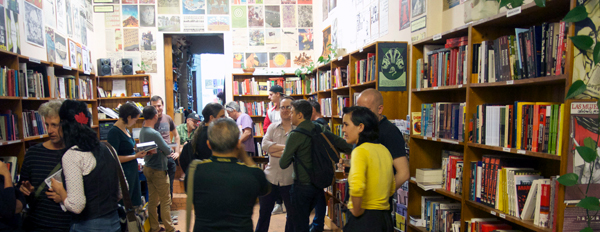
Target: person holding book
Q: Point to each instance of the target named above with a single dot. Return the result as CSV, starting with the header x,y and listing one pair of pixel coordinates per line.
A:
x,y
197,148
155,170
224,189
185,130
11,201
371,179
245,124
120,138
281,179
90,173
298,147
42,160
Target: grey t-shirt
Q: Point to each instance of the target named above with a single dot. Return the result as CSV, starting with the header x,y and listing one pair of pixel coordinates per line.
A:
x,y
158,160
164,125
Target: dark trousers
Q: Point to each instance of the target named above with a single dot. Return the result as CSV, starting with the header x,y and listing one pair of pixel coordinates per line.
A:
x,y
371,220
304,198
266,207
318,222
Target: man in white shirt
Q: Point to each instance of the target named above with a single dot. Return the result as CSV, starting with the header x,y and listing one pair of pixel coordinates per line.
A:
x,y
273,116
281,179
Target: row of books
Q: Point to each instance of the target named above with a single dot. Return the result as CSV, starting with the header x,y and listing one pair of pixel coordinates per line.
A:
x,y
259,151
8,126
34,123
292,85
365,69
440,214
400,207
337,212
325,106
311,85
86,87
337,130
253,87
444,120
258,129
255,108
452,169
67,87
340,77
535,52
532,126
487,225
342,101
445,65
324,80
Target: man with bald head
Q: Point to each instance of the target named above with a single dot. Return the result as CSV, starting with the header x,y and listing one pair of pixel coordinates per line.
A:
x,y
389,135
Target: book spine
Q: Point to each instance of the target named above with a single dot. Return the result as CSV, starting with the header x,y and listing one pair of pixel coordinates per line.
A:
x,y
560,48
543,52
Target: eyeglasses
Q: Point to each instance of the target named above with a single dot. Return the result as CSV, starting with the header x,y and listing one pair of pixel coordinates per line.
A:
x,y
286,107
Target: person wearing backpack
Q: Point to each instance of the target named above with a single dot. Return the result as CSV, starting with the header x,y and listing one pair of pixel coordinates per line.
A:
x,y
371,178
314,153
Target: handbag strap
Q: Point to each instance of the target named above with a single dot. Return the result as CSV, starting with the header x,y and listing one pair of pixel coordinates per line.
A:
x,y
124,189
43,185
190,193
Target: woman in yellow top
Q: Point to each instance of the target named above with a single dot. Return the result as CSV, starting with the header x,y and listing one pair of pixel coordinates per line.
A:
x,y
371,178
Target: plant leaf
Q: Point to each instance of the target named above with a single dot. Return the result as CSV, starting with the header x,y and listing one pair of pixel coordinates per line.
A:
x,y
582,42
587,154
540,3
568,179
578,87
587,229
576,14
596,53
321,59
589,142
589,203
503,3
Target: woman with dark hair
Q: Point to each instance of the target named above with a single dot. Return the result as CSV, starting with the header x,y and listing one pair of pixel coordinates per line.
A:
x,y
90,173
120,138
371,178
197,147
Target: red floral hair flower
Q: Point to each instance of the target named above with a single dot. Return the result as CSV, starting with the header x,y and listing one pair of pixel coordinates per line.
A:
x,y
81,118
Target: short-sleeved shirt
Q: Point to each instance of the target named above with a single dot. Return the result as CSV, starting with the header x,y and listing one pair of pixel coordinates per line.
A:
x,y
164,125
391,137
183,133
232,188
244,121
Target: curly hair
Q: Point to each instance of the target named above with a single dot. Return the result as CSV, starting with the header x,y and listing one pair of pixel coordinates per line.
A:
x,y
76,133
364,115
50,108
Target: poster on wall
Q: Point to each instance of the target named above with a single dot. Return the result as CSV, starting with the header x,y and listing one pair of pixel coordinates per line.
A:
x,y
193,23
2,29
239,39
12,32
305,18
147,37
374,21
362,27
392,66
305,39
302,59
168,7
326,41
118,39
131,40
218,7
34,31
115,61
88,14
238,2
325,9
218,23
418,8
60,45
306,2
129,2
83,29
288,13
147,16
147,1
77,24
238,59
450,3
85,60
69,14
256,16
169,23
583,61
256,37
280,60
288,1
384,17
404,14
418,24
72,54
289,40
61,18
194,6
37,3
239,17
110,19
257,60
50,47
130,16
149,58
272,17
50,13
13,5
273,39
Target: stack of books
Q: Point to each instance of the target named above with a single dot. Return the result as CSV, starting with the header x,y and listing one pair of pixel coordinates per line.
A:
x,y
108,112
147,146
429,176
444,120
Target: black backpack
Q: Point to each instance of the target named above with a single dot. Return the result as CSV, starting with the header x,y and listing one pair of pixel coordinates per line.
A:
x,y
324,158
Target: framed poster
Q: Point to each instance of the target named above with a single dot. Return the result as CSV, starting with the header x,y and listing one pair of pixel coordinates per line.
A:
x,y
326,41
391,66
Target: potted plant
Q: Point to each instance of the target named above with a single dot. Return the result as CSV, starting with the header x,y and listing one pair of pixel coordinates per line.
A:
x,y
143,67
248,69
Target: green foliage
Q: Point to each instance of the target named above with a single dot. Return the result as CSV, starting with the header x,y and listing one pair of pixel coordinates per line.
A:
x,y
589,203
596,54
578,87
589,142
587,229
510,3
540,3
144,67
587,154
583,42
576,14
302,71
568,179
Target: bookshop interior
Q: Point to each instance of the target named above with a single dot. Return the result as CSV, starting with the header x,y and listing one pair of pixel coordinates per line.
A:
x,y
299,115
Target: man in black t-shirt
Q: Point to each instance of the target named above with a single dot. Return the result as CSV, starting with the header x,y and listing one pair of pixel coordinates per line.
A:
x,y
225,190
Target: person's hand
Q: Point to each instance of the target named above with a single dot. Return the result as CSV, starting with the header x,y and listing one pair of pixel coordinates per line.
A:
x,y
357,212
58,188
26,188
141,154
174,155
54,196
4,169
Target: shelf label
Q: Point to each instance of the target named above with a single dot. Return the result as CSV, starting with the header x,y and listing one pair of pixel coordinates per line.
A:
x,y
340,58
493,212
459,86
34,60
513,12
521,152
510,82
65,67
41,136
360,50
86,73
506,149
449,141
437,37
503,215
436,87
14,141
25,97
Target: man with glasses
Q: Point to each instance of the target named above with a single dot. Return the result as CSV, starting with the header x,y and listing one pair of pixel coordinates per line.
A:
x,y
245,124
186,130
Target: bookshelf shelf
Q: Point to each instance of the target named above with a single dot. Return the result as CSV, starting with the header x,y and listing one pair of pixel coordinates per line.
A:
x,y
251,95
108,120
448,141
417,228
39,99
560,79
257,116
11,98
4,143
95,126
456,32
123,98
33,138
442,192
343,88
296,95
502,215
552,9
516,151
365,84
123,76
441,88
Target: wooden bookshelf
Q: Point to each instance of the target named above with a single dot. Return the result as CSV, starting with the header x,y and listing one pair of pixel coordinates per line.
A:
x,y
540,89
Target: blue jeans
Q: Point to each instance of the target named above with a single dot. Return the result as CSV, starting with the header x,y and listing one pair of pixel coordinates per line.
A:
x,y
304,198
106,223
318,222
266,207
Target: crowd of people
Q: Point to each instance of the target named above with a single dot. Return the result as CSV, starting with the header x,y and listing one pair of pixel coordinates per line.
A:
x,y
221,178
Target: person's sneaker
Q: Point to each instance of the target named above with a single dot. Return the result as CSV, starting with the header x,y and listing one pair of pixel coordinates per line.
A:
x,y
278,209
175,221
174,217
